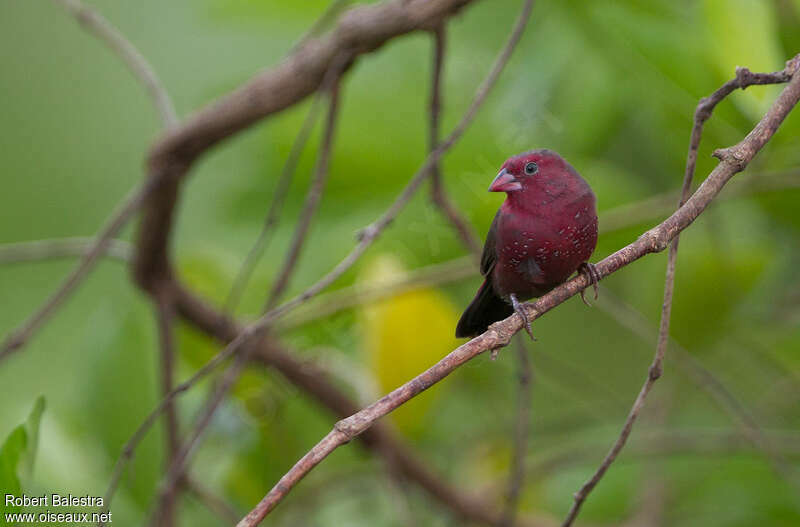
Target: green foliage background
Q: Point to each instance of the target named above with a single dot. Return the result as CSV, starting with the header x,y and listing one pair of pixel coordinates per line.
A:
x,y
610,85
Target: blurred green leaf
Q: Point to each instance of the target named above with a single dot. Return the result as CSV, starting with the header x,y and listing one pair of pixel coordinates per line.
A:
x,y
17,455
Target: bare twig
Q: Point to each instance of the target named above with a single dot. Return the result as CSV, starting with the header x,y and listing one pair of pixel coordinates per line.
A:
x,y
319,25
177,467
738,157
213,502
438,193
97,25
314,195
275,207
664,442
733,160
17,338
165,315
352,296
516,471
38,250
657,206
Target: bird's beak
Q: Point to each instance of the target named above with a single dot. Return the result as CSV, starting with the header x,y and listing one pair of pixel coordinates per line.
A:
x,y
505,182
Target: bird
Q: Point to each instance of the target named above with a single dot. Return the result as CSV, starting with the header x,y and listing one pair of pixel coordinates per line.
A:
x,y
545,230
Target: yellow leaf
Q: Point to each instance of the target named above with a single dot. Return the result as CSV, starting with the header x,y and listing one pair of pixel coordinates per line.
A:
x,y
404,335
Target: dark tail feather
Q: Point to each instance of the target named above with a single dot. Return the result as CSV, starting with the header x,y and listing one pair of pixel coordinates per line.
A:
x,y
486,308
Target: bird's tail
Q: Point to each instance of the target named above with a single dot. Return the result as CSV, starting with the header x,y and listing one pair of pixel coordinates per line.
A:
x,y
486,308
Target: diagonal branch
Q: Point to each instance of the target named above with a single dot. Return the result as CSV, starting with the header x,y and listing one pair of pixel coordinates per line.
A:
x,y
732,160
165,315
315,382
737,157
96,24
314,195
244,273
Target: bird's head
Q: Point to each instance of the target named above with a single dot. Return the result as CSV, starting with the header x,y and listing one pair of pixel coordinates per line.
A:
x,y
538,174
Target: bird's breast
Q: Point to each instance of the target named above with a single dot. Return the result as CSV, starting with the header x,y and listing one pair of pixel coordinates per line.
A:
x,y
536,252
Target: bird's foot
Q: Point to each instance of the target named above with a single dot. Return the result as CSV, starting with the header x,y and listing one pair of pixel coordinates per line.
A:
x,y
520,310
592,276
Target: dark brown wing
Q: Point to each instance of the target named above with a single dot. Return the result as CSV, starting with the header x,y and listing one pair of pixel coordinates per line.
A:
x,y
489,256
486,307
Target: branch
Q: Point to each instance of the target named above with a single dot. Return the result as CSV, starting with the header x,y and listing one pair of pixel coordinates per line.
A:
x,y
736,158
733,160
516,477
94,23
314,195
38,250
438,193
275,207
17,338
214,503
165,314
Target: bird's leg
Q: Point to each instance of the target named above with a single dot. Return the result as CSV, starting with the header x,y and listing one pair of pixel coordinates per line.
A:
x,y
592,276
521,312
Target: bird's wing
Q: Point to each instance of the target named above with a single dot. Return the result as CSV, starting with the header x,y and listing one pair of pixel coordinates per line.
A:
x,y
489,256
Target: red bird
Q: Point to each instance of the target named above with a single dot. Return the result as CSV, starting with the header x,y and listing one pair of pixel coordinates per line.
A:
x,y
545,230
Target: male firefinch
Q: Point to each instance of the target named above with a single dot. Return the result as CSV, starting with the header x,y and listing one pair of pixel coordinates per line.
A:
x,y
545,230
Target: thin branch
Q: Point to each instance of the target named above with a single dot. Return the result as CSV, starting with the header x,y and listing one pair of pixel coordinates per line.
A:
x,y
314,195
664,442
165,314
324,20
353,296
732,160
213,502
738,157
516,479
40,250
94,23
438,192
276,206
657,206
17,338
176,471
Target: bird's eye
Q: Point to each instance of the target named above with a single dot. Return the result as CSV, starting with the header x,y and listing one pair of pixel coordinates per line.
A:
x,y
531,168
